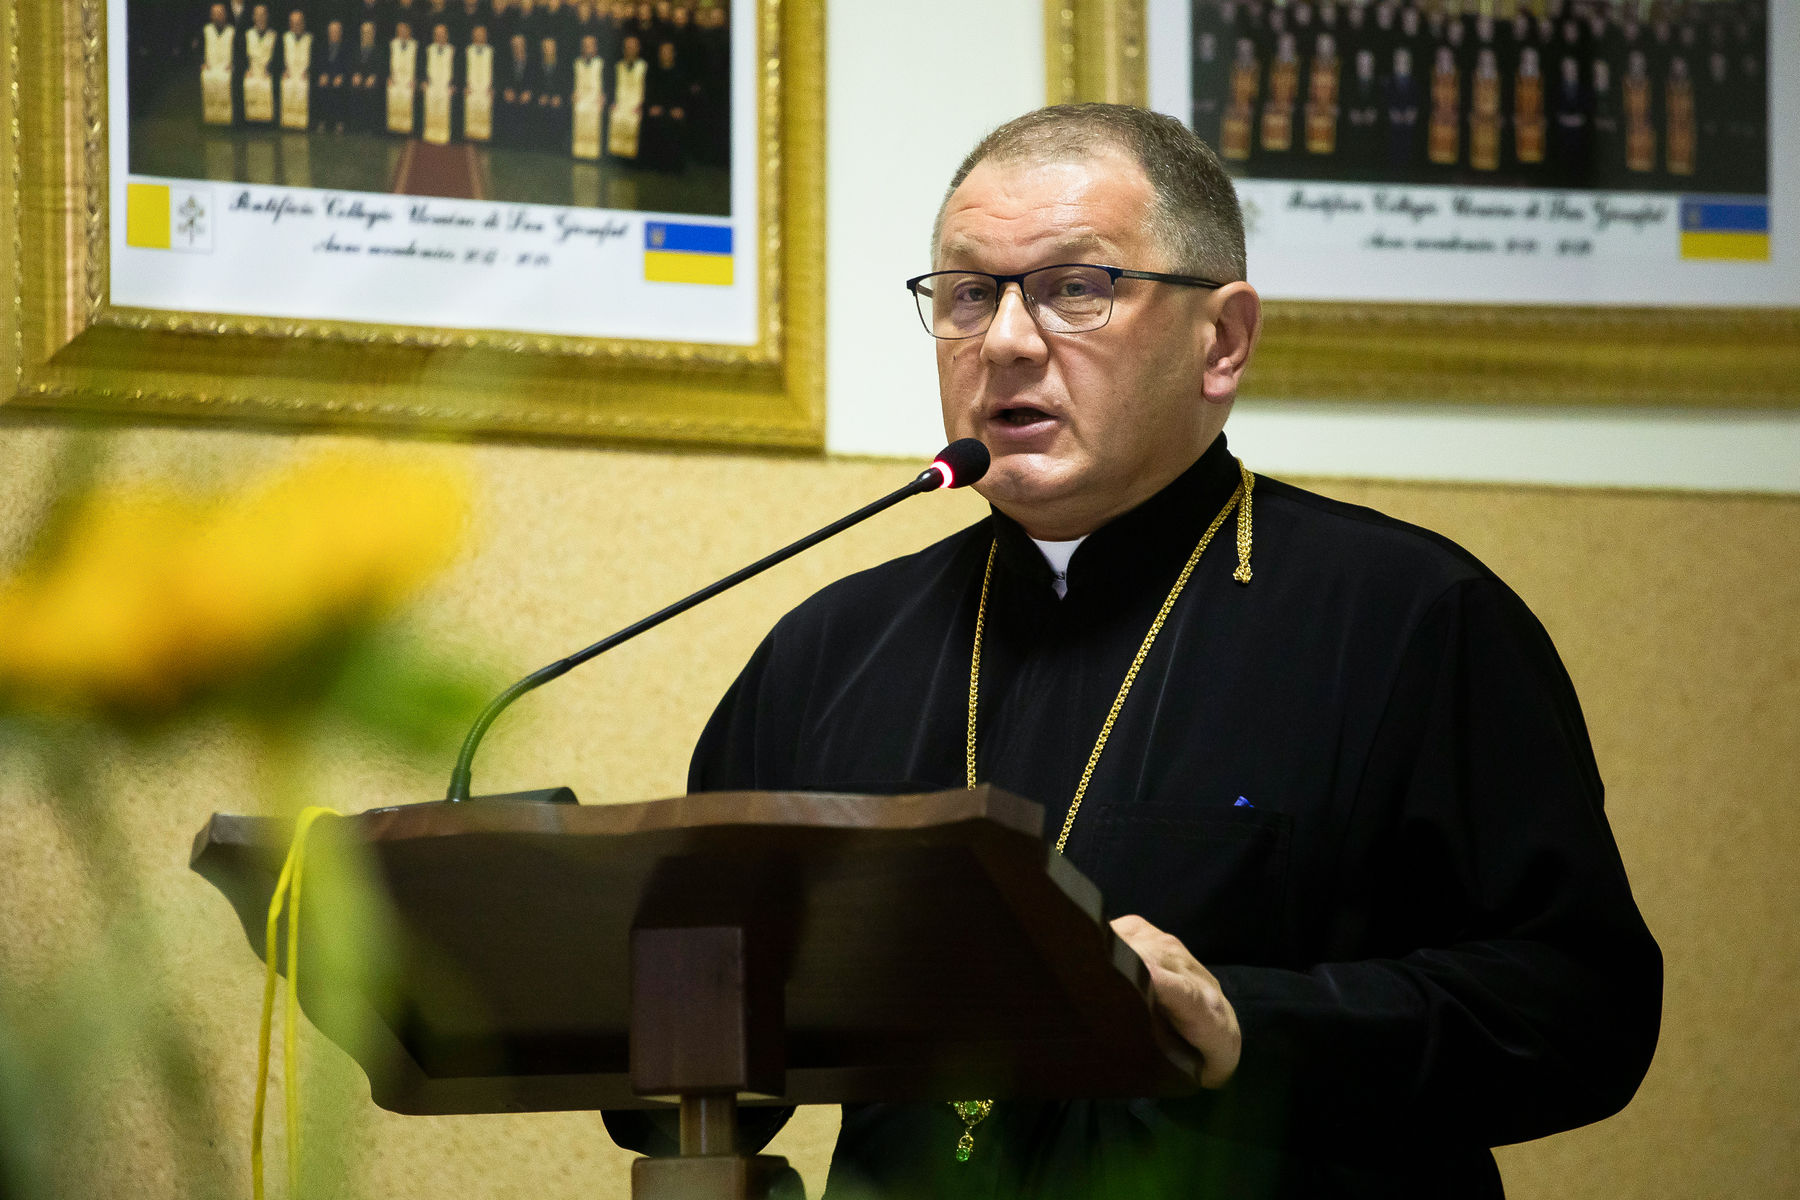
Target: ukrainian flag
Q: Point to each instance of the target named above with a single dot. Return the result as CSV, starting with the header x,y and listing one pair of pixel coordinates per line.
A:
x,y
1725,228
677,253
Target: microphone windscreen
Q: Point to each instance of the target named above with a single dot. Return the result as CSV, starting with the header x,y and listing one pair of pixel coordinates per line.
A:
x,y
963,461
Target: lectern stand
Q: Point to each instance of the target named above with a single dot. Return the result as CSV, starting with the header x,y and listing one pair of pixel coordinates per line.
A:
x,y
722,949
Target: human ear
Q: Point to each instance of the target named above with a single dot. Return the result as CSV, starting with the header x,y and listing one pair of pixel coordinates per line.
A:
x,y
1236,323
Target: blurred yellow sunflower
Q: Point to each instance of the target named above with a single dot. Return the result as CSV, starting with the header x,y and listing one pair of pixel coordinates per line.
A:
x,y
153,593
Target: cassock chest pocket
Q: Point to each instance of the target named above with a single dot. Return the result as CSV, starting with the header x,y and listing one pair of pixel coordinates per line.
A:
x,y
1217,878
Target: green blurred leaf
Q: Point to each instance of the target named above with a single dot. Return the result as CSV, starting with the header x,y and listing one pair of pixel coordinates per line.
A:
x,y
413,701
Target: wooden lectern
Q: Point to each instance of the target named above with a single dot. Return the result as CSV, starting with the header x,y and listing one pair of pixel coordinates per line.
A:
x,y
718,949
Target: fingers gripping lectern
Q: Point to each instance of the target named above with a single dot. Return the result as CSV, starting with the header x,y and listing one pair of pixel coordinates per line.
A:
x,y
720,949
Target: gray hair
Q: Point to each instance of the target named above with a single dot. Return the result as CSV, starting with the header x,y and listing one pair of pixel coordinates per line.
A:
x,y
1194,212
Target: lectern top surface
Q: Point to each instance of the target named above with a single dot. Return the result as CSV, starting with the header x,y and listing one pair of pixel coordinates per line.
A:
x,y
930,946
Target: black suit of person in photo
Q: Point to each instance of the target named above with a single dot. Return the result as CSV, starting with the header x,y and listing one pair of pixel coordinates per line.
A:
x,y
552,82
666,96
514,95
1359,145
331,80
366,104
712,62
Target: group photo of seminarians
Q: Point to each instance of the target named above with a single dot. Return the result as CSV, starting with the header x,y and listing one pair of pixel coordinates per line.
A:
x,y
1628,95
640,89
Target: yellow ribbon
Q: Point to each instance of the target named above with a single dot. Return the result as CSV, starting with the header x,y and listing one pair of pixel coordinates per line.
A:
x,y
287,889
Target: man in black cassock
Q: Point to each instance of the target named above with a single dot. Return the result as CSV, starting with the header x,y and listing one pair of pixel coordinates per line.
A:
x,y
1359,143
711,116
1210,71
551,82
516,105
366,105
1571,119
664,138
330,75
1403,100
1348,814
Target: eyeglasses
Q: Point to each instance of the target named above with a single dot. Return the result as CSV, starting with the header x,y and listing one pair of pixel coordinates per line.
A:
x,y
1063,298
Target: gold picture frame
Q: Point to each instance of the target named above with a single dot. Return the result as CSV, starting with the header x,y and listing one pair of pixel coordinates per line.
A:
x,y
1536,355
67,350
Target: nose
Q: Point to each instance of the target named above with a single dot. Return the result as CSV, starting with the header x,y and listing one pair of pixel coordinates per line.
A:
x,y
1013,335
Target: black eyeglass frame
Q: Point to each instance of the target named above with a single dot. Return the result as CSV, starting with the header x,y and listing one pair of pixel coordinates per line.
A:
x,y
1000,282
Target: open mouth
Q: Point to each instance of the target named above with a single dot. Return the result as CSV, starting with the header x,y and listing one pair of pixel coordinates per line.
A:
x,y
1020,414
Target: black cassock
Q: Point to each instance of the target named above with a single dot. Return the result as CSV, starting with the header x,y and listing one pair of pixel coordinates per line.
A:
x,y
664,137
711,120
331,79
1359,788
549,120
514,119
368,103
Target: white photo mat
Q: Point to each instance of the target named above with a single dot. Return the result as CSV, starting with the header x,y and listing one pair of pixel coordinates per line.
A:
x,y
1317,240
314,254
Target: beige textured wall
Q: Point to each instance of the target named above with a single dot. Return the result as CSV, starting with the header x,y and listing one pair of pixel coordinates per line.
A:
x,y
1678,616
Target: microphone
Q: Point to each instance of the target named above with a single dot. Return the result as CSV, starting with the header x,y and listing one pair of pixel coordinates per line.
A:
x,y
959,464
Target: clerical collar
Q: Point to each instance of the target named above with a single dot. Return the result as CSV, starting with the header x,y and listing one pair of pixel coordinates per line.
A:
x,y
1058,554
1148,544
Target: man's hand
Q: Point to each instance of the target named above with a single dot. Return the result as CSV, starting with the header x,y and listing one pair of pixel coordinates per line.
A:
x,y
1189,996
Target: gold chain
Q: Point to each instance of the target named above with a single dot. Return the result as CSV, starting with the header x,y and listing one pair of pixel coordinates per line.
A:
x,y
987,577
1242,574
973,1112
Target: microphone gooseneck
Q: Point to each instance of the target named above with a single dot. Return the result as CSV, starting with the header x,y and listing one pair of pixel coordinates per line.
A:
x,y
959,464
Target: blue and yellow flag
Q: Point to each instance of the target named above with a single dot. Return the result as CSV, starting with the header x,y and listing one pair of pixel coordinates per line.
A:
x,y
1724,227
678,253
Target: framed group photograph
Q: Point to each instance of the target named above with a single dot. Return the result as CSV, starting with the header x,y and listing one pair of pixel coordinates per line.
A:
x,y
586,218
1527,200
